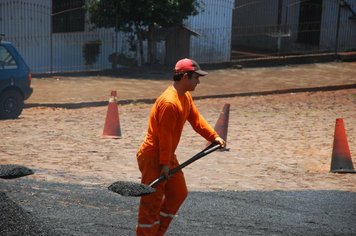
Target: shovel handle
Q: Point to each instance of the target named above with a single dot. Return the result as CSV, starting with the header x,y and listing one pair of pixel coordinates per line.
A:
x,y
211,148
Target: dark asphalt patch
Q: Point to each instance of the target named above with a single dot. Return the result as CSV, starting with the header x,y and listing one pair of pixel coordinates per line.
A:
x,y
12,171
15,221
127,188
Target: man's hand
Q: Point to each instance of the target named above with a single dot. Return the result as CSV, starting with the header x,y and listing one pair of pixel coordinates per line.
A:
x,y
165,170
220,141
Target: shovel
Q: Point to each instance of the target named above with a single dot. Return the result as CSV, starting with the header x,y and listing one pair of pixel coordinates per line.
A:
x,y
132,189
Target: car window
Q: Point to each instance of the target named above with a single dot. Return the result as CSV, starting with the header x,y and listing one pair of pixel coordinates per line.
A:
x,y
7,61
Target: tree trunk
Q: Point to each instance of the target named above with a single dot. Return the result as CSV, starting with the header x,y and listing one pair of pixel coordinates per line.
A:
x,y
150,59
140,41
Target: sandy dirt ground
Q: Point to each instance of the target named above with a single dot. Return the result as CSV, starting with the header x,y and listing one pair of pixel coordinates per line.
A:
x,y
276,142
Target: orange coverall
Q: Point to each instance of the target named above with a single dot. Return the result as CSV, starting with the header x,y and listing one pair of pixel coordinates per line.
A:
x,y
165,125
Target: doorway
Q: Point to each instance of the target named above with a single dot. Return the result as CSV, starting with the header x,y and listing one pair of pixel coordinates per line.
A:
x,y
310,22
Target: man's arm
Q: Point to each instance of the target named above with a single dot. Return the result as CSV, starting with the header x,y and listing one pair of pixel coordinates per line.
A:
x,y
201,126
167,119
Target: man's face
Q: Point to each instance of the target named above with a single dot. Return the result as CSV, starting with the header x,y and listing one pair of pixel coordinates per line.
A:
x,y
192,82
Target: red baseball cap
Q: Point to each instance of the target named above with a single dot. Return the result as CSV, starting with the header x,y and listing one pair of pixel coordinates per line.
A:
x,y
188,65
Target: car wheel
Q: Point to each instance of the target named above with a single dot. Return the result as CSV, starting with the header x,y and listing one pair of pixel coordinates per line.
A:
x,y
11,104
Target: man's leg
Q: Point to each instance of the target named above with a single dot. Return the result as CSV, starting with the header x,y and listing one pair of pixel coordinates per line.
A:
x,y
175,194
148,214
150,205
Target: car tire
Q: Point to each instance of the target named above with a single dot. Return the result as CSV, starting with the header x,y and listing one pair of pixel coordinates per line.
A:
x,y
11,104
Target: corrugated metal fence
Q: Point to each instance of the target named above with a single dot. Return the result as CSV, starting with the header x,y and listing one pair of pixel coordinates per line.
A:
x,y
230,31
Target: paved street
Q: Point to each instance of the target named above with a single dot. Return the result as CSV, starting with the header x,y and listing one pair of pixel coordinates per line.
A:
x,y
275,179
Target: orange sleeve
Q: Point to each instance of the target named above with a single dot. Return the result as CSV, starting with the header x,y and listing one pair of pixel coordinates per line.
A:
x,y
200,125
167,119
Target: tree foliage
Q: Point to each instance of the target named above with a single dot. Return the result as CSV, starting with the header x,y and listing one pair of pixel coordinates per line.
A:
x,y
164,13
91,51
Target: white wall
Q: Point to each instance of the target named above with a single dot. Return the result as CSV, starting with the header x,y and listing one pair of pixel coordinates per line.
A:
x,y
27,26
214,27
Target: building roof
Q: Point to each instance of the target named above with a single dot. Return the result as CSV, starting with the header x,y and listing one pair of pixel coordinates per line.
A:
x,y
160,34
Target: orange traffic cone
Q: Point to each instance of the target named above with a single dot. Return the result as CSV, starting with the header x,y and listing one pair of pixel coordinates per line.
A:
x,y
222,124
341,158
112,122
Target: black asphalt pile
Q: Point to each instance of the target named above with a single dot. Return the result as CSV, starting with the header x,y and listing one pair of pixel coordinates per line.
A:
x,y
15,221
131,189
12,171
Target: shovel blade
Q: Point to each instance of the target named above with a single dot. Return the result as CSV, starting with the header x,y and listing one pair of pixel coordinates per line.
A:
x,y
131,189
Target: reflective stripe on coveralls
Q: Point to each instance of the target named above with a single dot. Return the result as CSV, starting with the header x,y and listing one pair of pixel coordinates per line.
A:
x,y
166,215
157,222
148,226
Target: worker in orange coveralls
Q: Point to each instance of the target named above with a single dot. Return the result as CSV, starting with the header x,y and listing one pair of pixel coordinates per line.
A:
x,y
156,154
